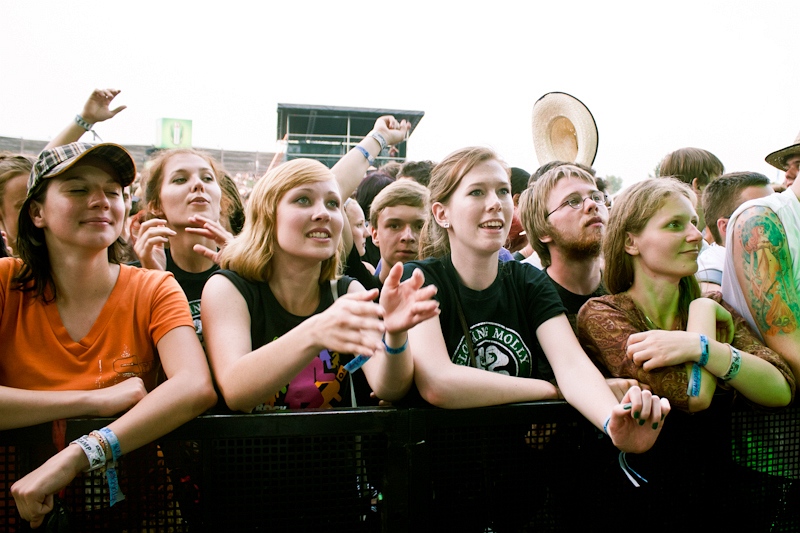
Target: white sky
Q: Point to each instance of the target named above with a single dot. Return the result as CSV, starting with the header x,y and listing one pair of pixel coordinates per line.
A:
x,y
657,77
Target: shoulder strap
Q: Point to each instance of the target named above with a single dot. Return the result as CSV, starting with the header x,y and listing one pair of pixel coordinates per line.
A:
x,y
461,318
340,286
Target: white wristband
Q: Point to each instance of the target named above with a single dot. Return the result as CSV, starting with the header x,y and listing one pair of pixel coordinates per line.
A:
x,y
93,450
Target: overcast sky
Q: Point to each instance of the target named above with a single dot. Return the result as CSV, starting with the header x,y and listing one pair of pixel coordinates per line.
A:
x,y
657,77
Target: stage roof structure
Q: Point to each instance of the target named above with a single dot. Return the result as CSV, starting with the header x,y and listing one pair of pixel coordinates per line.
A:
x,y
326,133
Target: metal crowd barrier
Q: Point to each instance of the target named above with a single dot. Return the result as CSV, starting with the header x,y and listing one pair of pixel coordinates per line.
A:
x,y
523,467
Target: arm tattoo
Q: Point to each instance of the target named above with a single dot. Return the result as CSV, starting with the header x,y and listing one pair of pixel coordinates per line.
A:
x,y
769,286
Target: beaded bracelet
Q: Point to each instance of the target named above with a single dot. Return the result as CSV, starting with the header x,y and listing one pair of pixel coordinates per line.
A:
x,y
735,366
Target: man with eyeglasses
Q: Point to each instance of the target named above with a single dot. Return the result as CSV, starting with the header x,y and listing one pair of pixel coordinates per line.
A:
x,y
565,217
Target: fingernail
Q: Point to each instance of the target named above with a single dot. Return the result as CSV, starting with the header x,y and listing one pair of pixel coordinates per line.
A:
x,y
627,406
641,422
655,425
662,418
636,414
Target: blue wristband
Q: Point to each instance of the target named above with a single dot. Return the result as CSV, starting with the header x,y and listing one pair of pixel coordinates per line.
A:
x,y
395,351
703,351
605,425
114,493
693,389
370,159
113,442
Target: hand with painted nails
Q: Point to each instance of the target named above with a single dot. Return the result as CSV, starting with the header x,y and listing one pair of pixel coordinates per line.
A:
x,y
636,422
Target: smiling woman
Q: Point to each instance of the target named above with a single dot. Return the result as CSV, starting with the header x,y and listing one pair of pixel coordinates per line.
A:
x,y
110,327
655,328
500,320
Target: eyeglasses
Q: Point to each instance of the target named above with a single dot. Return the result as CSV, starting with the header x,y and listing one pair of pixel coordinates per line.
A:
x,y
576,202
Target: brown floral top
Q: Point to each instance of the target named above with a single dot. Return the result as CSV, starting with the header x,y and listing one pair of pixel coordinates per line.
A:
x,y
605,323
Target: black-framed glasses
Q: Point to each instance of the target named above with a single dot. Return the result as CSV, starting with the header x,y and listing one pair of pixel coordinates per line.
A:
x,y
576,202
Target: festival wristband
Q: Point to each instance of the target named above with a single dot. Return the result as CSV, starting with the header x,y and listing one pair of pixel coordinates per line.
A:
x,y
114,493
93,450
370,159
703,351
356,363
735,366
83,124
113,442
693,390
378,137
394,351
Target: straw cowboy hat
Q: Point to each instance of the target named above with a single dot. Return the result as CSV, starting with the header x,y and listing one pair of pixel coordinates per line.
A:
x,y
563,130
778,159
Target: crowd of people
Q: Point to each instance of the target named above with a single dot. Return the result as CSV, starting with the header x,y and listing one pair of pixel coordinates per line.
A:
x,y
455,284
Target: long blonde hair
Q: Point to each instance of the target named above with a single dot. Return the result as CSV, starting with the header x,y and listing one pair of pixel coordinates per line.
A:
x,y
250,253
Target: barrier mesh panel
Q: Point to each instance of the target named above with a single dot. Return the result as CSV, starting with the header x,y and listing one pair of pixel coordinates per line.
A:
x,y
329,483
9,519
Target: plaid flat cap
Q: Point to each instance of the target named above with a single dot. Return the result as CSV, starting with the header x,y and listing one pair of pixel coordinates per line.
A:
x,y
53,162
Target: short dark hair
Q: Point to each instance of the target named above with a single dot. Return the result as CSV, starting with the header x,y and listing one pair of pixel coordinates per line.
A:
x,y
721,197
519,180
419,171
370,186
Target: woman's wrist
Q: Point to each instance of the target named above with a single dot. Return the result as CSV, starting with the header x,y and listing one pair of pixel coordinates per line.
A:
x,y
395,343
75,459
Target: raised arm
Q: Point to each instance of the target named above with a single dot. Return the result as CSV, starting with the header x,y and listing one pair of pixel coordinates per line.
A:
x,y
350,169
764,267
96,109
248,377
632,428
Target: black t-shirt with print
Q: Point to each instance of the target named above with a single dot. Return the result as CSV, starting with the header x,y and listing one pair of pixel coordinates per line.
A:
x,y
192,284
324,383
573,302
503,318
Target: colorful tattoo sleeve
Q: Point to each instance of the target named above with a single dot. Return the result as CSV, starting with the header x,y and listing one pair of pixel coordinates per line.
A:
x,y
767,267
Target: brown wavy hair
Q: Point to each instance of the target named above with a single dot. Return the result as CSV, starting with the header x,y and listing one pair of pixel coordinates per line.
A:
x,y
633,209
445,178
